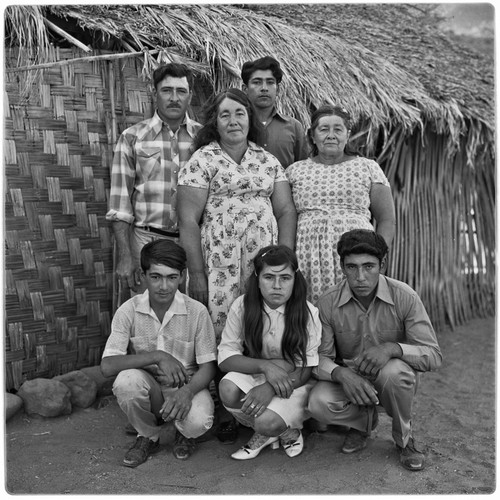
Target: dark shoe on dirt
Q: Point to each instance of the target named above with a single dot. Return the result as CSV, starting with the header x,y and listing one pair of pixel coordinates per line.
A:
x,y
183,446
354,441
139,453
227,432
410,457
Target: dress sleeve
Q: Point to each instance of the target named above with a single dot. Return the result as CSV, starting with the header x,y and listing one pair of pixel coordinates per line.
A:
x,y
377,174
231,343
196,171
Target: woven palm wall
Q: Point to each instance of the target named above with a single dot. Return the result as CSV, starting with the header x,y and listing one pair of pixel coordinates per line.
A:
x,y
60,128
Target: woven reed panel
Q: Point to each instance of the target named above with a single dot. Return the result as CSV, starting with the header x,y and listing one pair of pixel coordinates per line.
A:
x,y
58,245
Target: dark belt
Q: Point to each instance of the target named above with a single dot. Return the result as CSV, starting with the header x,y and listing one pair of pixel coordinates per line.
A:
x,y
170,234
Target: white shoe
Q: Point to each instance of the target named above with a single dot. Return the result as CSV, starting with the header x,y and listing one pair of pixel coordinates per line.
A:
x,y
256,444
293,446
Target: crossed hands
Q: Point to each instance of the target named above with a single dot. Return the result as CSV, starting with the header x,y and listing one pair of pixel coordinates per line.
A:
x,y
177,404
358,389
278,383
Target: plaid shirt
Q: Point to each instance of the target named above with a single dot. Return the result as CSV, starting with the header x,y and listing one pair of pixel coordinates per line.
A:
x,y
144,173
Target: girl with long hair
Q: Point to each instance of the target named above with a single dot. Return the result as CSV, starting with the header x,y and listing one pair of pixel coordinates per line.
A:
x,y
269,346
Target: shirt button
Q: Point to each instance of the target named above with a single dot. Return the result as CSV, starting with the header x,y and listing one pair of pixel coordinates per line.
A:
x,y
272,332
175,171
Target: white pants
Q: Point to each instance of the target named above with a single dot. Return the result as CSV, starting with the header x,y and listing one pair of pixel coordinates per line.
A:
x,y
140,397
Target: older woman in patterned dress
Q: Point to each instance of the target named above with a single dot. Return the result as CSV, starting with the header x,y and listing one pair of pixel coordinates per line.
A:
x,y
233,199
335,191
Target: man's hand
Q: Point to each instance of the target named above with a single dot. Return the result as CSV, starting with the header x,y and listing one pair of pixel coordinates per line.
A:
x,y
177,404
257,399
198,287
173,373
126,272
357,389
279,379
371,361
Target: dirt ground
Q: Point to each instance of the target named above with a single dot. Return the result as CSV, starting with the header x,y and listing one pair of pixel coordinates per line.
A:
x,y
454,420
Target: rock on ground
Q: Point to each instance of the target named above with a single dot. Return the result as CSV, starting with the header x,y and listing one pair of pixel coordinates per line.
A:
x,y
104,384
83,388
13,404
45,397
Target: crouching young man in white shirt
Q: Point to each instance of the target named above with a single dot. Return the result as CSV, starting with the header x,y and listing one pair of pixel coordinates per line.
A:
x,y
162,350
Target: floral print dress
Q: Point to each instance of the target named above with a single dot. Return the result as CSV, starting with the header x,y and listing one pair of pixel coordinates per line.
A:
x,y
330,200
237,221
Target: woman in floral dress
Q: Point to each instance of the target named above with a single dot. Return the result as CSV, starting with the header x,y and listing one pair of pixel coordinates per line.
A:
x,y
233,199
335,191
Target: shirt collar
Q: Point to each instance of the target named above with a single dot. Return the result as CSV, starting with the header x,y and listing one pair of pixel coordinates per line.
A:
x,y
190,125
216,147
178,305
275,114
383,292
269,310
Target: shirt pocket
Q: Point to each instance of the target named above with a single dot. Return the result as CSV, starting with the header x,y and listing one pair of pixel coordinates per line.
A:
x,y
148,161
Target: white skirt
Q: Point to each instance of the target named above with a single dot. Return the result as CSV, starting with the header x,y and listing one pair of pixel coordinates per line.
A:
x,y
292,410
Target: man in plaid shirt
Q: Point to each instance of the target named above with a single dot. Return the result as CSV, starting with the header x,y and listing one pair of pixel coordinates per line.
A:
x,y
144,172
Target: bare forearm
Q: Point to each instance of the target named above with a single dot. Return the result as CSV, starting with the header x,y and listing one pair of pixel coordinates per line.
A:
x,y
287,225
112,365
202,378
243,364
190,240
121,231
387,229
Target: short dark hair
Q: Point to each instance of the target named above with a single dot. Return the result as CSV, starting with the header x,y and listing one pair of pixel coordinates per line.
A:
x,y
263,63
164,252
209,132
176,70
360,241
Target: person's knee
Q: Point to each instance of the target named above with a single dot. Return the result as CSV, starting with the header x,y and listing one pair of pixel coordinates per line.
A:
x,y
200,417
396,374
329,404
129,383
230,394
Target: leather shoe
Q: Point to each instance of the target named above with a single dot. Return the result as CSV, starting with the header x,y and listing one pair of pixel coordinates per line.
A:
x,y
256,444
410,457
356,440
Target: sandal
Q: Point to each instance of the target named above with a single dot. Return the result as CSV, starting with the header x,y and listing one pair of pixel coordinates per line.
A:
x,y
183,446
227,432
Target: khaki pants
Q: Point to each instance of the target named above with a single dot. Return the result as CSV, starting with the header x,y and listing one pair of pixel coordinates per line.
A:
x,y
396,385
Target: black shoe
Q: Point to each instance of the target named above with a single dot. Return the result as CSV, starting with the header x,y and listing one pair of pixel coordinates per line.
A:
x,y
227,432
410,457
139,453
183,446
356,440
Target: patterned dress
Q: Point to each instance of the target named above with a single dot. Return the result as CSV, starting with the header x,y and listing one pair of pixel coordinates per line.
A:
x,y
237,221
330,200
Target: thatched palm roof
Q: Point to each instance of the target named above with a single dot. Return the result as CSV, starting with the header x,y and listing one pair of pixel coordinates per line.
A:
x,y
388,64
424,106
